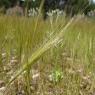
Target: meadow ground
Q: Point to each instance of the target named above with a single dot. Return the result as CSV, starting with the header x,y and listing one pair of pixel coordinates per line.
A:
x,y
52,57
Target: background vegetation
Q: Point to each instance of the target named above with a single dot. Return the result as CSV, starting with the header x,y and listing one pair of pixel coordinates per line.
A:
x,y
71,6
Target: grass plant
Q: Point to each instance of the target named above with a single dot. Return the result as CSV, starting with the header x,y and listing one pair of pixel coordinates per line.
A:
x,y
67,46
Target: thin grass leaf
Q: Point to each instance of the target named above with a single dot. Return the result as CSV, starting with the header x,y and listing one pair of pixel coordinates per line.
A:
x,y
51,43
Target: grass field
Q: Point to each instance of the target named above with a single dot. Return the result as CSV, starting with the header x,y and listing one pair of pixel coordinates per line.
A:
x,y
52,57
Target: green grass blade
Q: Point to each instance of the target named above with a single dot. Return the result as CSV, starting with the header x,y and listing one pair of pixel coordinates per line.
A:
x,y
41,51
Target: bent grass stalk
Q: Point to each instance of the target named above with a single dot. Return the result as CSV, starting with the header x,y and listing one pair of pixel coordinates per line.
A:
x,y
39,52
35,28
28,68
